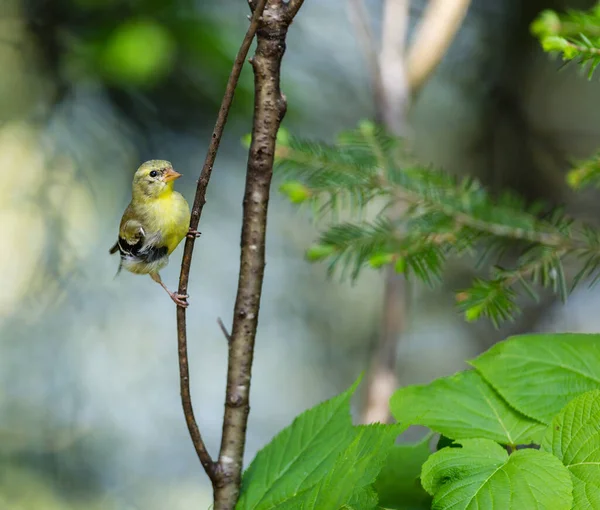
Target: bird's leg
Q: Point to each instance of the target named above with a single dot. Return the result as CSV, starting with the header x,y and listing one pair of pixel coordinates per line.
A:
x,y
193,234
178,299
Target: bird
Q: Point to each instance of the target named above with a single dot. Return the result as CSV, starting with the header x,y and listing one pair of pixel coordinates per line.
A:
x,y
153,224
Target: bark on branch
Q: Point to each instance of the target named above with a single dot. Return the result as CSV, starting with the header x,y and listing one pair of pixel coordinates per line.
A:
x,y
199,200
269,109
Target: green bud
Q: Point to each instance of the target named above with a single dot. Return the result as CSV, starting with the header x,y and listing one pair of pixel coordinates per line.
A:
x,y
546,24
381,259
473,313
570,52
319,252
555,43
283,136
366,127
400,266
246,140
295,191
575,178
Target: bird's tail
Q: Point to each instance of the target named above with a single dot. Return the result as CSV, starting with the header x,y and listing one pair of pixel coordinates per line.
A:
x,y
112,251
119,269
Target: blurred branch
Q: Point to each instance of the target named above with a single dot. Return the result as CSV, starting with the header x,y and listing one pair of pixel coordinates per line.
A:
x,y
391,110
199,200
433,37
396,75
359,17
392,67
269,109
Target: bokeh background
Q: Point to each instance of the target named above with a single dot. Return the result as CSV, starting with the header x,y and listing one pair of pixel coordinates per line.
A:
x,y
90,416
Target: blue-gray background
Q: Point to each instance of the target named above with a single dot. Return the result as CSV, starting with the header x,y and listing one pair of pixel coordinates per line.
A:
x,y
90,416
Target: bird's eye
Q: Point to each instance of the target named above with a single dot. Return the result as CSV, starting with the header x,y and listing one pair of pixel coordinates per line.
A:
x,y
154,173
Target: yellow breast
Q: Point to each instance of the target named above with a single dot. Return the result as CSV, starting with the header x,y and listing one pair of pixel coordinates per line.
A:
x,y
169,215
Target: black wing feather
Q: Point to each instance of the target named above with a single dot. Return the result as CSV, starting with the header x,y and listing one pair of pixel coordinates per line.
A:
x,y
147,253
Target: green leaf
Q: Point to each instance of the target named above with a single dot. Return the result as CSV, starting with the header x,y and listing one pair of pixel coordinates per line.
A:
x,y
539,374
365,499
398,484
464,406
300,455
355,469
481,475
574,437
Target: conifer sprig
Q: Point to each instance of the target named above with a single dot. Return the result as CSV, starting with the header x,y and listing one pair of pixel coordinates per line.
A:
x,y
575,35
443,217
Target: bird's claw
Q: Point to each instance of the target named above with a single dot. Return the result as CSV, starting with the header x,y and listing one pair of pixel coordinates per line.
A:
x,y
179,299
193,234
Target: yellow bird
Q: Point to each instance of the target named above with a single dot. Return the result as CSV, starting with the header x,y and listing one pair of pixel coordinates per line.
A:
x,y
154,223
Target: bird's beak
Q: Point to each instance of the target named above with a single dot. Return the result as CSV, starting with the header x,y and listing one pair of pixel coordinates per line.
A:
x,y
171,175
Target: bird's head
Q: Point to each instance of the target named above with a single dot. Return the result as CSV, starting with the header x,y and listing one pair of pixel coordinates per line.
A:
x,y
154,178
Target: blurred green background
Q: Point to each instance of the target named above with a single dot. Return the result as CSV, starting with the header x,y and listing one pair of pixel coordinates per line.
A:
x,y
90,414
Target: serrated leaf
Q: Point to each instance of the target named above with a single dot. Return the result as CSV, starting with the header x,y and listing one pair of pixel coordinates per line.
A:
x,y
365,499
481,475
354,470
300,455
398,484
539,374
464,406
574,437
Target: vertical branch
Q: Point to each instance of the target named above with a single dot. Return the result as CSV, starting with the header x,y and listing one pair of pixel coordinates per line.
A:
x,y
435,32
269,109
396,93
392,110
199,201
359,17
402,73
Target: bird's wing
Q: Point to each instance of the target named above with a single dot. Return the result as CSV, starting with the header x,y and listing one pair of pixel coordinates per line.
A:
x,y
134,242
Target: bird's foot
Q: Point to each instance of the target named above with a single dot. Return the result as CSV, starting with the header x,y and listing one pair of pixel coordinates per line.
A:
x,y
179,299
193,234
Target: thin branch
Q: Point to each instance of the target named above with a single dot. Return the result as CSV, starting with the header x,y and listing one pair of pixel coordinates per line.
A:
x,y
584,49
359,17
199,201
293,6
226,333
269,109
433,37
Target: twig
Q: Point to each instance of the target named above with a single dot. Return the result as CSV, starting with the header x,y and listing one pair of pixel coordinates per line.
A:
x,y
433,37
269,109
226,333
199,201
